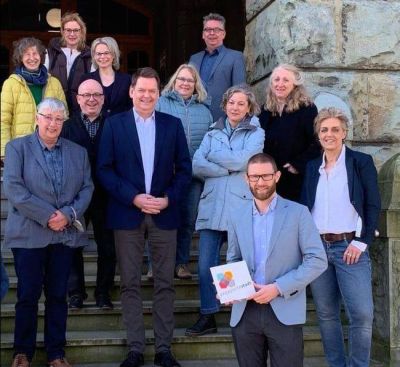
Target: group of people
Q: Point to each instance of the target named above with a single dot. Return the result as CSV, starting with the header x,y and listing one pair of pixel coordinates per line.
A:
x,y
87,143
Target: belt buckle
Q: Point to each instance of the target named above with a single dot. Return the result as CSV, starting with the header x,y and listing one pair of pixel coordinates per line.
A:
x,y
324,238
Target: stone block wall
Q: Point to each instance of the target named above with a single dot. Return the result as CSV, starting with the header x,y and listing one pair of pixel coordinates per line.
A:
x,y
348,48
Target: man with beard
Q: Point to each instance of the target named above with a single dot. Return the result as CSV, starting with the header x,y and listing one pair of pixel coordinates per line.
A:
x,y
283,250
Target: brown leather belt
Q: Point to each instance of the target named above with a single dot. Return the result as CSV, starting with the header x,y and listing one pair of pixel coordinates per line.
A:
x,y
336,237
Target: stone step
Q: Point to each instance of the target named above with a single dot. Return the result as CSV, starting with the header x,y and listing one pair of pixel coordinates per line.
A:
x,y
110,346
184,288
90,260
228,362
91,318
308,362
91,245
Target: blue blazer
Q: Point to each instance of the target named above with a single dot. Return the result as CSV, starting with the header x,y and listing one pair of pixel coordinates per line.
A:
x,y
228,70
363,189
120,100
32,199
120,169
295,255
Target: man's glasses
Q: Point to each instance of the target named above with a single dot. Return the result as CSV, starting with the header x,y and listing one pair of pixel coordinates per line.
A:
x,y
185,80
265,177
49,119
213,30
87,96
69,30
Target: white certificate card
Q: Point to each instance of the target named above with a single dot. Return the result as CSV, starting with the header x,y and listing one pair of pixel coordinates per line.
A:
x,y
232,281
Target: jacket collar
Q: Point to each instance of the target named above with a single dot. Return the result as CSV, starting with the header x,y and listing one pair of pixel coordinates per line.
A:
x,y
245,124
55,44
174,95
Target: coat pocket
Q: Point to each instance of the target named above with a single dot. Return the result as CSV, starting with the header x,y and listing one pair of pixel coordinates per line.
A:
x,y
206,204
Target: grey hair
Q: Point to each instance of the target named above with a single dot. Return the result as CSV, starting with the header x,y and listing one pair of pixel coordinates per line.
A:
x,y
52,104
254,108
214,16
22,45
198,86
331,113
112,45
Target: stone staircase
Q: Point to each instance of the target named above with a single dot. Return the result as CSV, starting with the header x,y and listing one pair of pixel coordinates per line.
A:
x,y
97,337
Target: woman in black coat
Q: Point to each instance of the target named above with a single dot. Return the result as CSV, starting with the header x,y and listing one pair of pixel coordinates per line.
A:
x,y
105,58
287,118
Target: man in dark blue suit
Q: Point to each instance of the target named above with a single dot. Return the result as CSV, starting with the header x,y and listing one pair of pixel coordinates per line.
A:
x,y
144,164
220,67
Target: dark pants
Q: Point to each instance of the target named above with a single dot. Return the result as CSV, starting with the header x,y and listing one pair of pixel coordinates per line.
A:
x,y
259,332
129,246
46,268
188,212
96,213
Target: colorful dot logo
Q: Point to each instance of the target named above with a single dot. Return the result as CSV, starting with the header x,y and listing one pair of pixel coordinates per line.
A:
x,y
226,279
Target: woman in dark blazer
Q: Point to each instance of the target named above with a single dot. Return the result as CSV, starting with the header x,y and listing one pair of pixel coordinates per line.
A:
x,y
47,183
287,118
341,190
105,58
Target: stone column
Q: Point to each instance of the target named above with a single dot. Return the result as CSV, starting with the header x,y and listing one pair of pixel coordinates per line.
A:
x,y
385,256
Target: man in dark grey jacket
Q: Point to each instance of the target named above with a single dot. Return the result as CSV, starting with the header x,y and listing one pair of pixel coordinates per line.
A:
x,y
219,67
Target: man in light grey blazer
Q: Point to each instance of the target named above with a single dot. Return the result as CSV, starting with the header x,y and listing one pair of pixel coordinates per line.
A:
x,y
48,185
283,250
220,68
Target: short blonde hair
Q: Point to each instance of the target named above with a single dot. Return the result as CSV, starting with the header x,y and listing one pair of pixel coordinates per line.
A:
x,y
74,17
254,108
298,96
328,113
198,86
112,45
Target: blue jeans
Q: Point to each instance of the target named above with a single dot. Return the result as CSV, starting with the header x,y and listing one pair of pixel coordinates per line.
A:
x,y
209,250
188,213
38,268
352,285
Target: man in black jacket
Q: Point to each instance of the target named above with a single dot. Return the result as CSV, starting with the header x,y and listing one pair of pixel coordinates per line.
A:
x,y
85,129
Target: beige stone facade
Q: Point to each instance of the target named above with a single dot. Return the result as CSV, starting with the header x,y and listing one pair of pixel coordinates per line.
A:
x,y
347,48
349,51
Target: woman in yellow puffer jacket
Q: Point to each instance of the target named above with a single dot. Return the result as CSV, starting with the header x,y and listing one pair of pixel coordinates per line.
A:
x,y
24,90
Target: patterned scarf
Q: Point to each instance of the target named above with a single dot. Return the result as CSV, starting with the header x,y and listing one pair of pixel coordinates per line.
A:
x,y
38,77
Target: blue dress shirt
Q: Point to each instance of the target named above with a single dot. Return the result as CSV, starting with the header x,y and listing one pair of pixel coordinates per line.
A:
x,y
262,229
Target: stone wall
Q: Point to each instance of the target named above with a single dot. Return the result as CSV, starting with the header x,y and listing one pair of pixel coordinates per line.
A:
x,y
348,48
350,52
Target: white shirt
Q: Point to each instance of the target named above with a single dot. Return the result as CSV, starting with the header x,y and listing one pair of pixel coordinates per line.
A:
x,y
146,129
70,55
333,211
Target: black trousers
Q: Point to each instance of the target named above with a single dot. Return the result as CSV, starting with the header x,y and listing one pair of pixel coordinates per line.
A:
x,y
260,333
96,214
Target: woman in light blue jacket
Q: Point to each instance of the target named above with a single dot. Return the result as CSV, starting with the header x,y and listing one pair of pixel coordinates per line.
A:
x,y
221,162
185,97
